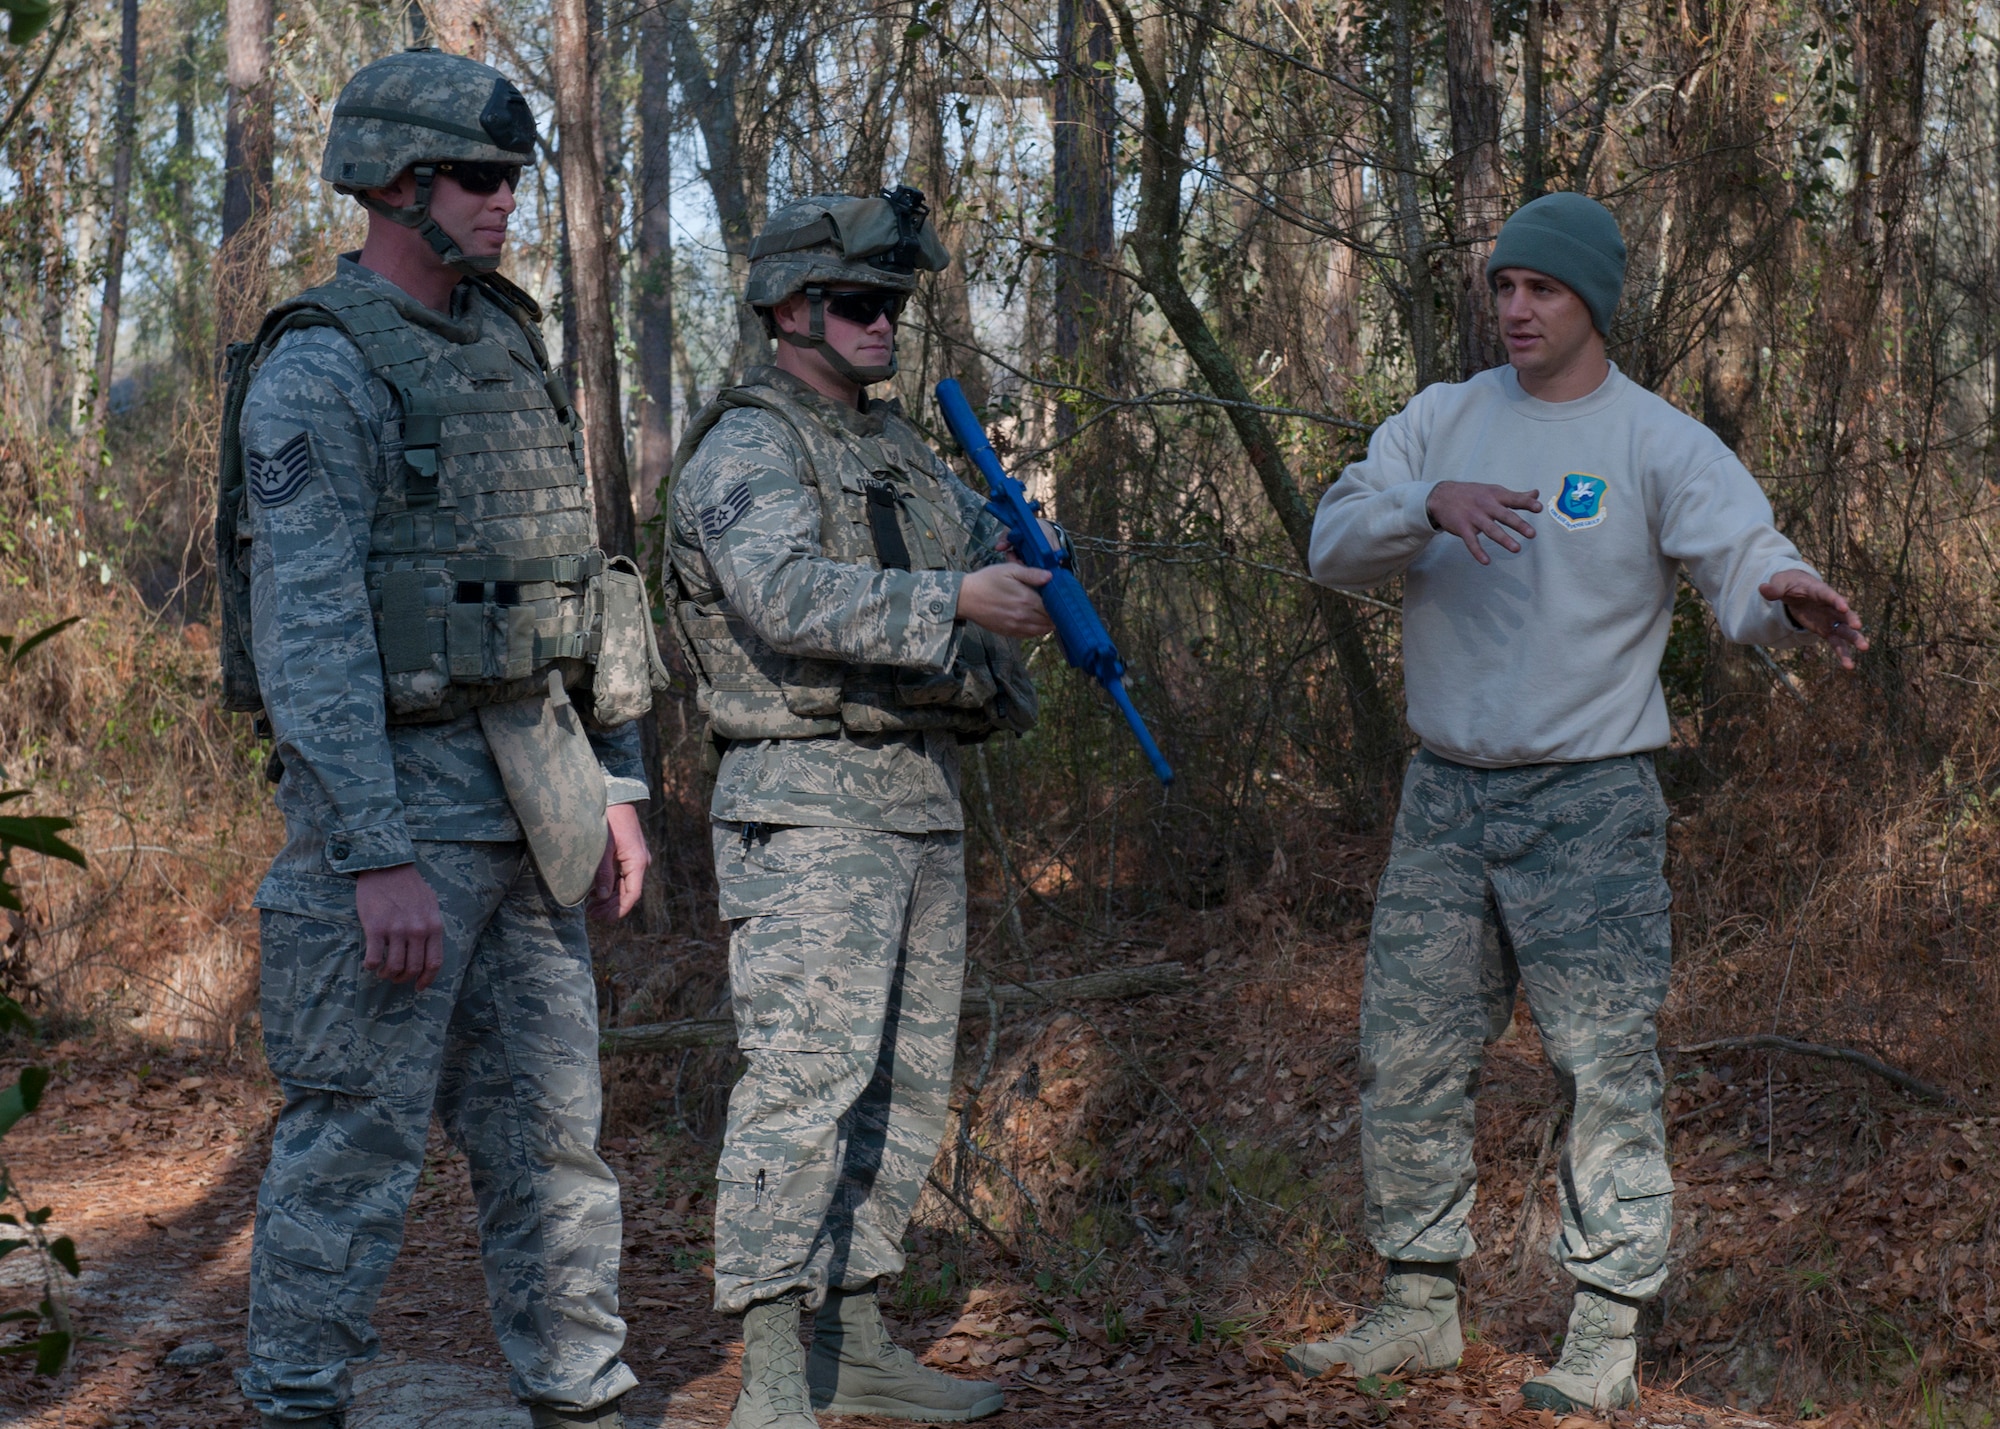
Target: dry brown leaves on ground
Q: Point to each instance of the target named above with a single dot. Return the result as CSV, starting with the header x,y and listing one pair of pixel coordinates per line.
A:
x,y
153,1169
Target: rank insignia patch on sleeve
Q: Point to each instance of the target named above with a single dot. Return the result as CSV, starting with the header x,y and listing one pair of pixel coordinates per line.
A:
x,y
726,512
277,478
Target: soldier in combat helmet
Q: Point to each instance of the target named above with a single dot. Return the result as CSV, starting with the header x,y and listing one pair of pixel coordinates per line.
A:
x,y
449,668
850,616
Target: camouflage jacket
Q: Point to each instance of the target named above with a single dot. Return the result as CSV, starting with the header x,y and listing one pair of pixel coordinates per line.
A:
x,y
370,787
744,523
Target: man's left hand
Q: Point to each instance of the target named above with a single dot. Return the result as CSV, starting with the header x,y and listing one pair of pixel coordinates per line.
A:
x,y
1821,609
1051,533
621,874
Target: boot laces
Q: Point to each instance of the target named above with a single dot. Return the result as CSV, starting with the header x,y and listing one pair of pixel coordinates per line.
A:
x,y
1589,1344
782,1376
1385,1322
891,1354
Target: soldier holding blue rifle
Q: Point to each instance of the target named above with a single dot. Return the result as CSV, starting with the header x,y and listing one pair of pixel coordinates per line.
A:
x,y
850,614
1530,843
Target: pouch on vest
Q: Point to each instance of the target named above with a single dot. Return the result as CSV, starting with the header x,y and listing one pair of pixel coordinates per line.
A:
x,y
555,784
628,664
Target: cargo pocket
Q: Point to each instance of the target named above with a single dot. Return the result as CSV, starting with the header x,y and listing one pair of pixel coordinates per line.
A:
x,y
310,994
1642,1180
789,987
1633,897
771,983
1634,926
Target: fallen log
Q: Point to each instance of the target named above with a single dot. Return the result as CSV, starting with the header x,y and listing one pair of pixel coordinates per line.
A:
x,y
1769,1042
1105,985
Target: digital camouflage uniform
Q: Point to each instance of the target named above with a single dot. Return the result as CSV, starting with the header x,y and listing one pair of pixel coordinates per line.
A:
x,y
375,685
839,853
1546,876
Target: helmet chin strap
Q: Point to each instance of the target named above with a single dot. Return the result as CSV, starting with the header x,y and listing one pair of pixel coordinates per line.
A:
x,y
816,341
418,216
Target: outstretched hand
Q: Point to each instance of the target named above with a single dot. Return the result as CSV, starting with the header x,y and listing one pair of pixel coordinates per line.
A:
x,y
1821,609
1471,509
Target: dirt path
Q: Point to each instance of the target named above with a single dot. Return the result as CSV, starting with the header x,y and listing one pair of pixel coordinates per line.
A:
x,y
154,1169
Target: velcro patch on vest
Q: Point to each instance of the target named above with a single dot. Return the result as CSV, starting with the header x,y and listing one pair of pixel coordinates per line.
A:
x,y
277,478
726,512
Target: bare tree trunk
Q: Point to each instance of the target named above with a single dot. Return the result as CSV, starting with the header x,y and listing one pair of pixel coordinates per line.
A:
x,y
653,338
243,261
590,257
1534,119
1475,142
711,97
1600,102
948,294
1419,296
1343,280
1085,117
1891,45
653,263
457,27
123,124
607,59
188,337
1156,242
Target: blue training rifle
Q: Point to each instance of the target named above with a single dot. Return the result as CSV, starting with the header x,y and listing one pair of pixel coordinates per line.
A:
x,y
1086,644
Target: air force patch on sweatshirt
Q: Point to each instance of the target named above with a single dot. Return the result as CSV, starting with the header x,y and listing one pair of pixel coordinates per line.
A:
x,y
1581,504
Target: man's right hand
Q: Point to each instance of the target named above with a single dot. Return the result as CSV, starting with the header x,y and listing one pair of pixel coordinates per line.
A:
x,y
1471,509
1006,600
401,924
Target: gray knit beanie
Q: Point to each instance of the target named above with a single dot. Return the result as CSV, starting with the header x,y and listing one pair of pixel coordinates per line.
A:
x,y
1572,239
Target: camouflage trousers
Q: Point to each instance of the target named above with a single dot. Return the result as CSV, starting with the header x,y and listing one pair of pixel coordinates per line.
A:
x,y
503,1048
1548,877
845,965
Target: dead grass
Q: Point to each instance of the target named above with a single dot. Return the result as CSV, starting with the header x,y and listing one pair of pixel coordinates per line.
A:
x,y
113,724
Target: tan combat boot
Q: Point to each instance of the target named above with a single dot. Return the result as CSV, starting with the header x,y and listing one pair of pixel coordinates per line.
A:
x,y
1414,1328
774,1370
855,1368
1599,1359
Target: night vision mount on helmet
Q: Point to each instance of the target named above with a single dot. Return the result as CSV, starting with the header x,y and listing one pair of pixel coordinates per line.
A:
x,y
417,110
836,240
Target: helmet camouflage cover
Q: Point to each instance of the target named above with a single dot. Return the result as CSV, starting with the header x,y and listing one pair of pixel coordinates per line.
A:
x,y
424,106
419,109
878,242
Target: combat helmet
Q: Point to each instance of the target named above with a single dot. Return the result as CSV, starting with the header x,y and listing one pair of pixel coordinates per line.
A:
x,y
418,109
830,239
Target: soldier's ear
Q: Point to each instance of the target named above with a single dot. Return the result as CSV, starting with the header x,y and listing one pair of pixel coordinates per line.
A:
x,y
398,192
790,315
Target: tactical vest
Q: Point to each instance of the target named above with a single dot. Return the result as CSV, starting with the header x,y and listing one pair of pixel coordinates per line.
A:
x,y
483,572
882,507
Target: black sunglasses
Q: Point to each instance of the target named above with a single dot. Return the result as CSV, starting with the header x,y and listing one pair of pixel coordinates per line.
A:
x,y
863,308
482,177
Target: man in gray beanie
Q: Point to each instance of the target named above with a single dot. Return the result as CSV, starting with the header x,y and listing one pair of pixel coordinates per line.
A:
x,y
1530,845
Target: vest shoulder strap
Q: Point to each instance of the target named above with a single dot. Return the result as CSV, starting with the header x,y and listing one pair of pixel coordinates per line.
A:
x,y
515,301
728,400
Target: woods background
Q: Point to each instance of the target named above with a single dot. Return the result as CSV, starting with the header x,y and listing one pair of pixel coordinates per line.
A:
x,y
1201,250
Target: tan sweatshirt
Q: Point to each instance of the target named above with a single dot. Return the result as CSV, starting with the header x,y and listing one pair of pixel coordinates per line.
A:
x,y
1552,655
